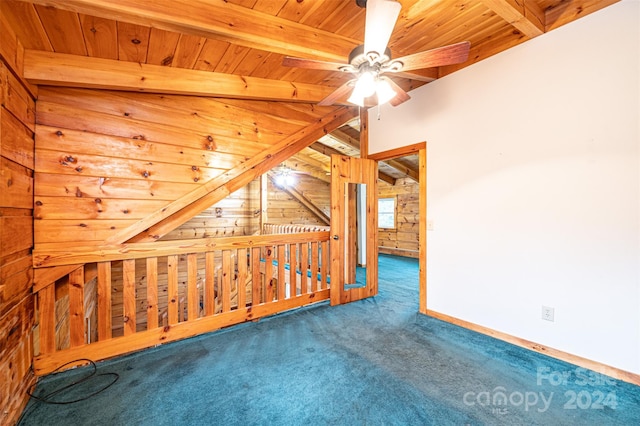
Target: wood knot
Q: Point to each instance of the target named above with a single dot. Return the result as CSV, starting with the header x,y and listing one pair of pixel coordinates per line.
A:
x,y
135,41
125,318
194,168
125,211
78,169
145,174
210,138
82,225
78,193
195,179
98,200
69,159
38,203
59,133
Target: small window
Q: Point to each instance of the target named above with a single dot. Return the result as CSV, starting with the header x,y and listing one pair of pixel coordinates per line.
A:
x,y
387,213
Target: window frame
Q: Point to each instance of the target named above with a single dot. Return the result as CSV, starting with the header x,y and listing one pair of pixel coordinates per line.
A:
x,y
394,213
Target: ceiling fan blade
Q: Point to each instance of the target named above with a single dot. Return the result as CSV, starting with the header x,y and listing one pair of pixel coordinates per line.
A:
x,y
380,20
337,94
412,76
289,61
446,55
401,95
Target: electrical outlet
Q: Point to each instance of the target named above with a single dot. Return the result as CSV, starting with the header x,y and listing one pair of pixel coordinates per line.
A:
x,y
547,313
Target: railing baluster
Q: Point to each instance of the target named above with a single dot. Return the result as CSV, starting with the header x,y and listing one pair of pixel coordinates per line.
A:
x,y
304,268
152,293
104,300
129,296
226,280
268,273
293,266
314,267
324,246
242,278
76,308
256,281
193,302
281,264
47,307
172,288
209,281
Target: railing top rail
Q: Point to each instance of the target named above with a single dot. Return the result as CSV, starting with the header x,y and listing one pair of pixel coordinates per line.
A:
x,y
78,254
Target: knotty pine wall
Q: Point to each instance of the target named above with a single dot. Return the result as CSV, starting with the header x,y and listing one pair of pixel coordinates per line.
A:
x,y
403,240
17,123
105,159
283,208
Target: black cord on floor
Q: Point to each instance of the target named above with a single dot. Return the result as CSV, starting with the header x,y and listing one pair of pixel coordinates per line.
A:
x,y
47,398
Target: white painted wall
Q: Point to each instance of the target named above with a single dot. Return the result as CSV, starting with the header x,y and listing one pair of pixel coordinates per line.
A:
x,y
534,186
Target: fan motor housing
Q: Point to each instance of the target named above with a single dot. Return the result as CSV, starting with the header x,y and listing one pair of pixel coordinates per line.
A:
x,y
358,56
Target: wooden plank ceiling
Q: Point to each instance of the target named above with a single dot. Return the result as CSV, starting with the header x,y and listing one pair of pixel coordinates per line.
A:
x,y
207,40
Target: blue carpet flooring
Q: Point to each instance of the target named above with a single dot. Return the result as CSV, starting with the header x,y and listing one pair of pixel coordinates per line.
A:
x,y
373,362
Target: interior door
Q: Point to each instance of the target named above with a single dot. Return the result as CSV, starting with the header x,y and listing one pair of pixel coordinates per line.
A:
x,y
354,229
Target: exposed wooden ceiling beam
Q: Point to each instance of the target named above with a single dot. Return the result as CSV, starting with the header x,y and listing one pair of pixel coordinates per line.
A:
x,y
221,20
58,69
403,168
525,15
168,218
302,199
346,139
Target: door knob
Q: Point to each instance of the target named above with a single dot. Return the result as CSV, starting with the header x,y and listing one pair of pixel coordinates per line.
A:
x,y
335,237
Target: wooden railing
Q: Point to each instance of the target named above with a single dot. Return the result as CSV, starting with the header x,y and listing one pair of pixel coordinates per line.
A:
x,y
274,228
147,294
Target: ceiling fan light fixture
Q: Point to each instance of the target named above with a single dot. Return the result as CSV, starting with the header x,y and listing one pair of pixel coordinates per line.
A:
x,y
384,91
365,87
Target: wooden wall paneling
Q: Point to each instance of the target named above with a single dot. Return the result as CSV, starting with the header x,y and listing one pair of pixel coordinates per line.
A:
x,y
61,231
100,36
16,185
54,185
15,97
16,140
102,166
210,54
152,293
69,117
46,208
184,112
75,141
63,30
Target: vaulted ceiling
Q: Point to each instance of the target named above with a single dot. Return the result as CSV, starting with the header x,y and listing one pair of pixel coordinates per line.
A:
x,y
235,48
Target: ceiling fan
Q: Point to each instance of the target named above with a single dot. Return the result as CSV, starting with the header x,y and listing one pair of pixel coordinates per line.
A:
x,y
371,62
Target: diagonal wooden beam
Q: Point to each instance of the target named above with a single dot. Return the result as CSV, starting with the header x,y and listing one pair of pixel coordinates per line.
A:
x,y
59,69
178,212
302,199
525,15
221,20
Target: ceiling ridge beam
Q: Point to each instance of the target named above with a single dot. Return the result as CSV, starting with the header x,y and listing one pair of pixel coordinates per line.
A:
x,y
181,210
524,15
60,69
221,20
